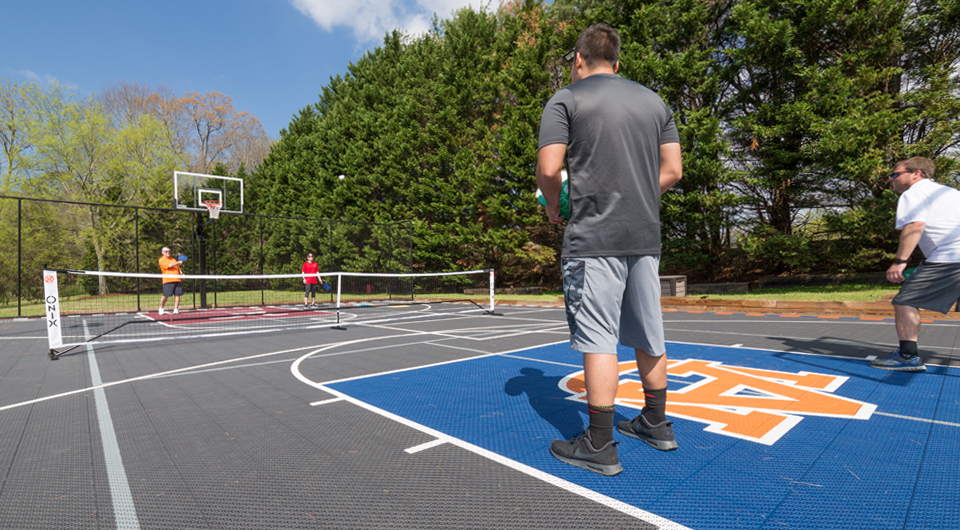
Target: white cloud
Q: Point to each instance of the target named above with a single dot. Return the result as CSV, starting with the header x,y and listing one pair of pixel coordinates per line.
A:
x,y
30,75
371,19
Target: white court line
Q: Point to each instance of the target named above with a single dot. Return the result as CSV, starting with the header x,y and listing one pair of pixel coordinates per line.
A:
x,y
772,336
453,334
177,371
324,402
925,420
124,511
431,342
736,345
543,361
870,357
812,320
423,447
215,363
587,493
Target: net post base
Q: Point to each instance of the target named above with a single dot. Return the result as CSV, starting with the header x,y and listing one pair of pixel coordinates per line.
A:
x,y
53,355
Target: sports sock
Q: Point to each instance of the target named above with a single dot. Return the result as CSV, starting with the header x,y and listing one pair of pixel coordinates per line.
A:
x,y
908,348
655,406
601,425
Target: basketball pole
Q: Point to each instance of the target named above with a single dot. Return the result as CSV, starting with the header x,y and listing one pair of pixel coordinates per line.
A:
x,y
202,262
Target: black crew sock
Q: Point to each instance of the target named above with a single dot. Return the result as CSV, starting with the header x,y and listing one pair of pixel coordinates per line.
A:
x,y
655,406
908,348
601,425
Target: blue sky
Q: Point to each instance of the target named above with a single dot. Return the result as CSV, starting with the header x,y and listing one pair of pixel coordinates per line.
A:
x,y
271,56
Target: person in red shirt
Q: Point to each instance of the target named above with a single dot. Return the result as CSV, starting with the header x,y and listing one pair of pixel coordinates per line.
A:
x,y
172,286
311,270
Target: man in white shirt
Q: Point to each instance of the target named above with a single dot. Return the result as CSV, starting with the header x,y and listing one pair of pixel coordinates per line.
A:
x,y
928,215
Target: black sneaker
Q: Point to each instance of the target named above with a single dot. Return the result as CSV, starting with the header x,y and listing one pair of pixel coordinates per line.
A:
x,y
580,452
899,363
657,436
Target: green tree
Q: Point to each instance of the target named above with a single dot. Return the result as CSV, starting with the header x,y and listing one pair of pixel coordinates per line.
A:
x,y
440,129
81,157
672,47
16,113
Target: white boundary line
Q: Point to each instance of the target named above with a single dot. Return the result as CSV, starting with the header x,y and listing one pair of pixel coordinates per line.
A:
x,y
787,351
441,438
938,422
424,447
325,401
124,510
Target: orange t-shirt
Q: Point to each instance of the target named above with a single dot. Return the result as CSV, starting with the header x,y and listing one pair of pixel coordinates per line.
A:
x,y
171,272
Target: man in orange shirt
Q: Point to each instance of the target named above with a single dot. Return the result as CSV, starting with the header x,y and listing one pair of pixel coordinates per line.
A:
x,y
172,286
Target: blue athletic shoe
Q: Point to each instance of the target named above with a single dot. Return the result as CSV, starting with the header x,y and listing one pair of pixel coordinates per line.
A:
x,y
899,363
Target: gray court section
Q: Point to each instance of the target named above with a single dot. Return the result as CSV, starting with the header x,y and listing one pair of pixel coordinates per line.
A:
x,y
842,337
238,445
232,441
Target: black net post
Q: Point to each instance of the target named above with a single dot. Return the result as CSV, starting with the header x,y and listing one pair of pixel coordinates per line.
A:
x,y
262,282
136,240
19,254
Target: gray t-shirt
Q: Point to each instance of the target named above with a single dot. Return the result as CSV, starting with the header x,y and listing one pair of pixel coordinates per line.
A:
x,y
613,129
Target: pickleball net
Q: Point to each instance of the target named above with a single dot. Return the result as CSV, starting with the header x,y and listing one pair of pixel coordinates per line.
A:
x,y
94,307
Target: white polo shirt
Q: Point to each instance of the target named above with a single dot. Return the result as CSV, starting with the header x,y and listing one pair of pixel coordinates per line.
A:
x,y
937,206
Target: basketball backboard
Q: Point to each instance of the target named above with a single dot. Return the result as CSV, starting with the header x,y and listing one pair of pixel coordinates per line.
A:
x,y
191,189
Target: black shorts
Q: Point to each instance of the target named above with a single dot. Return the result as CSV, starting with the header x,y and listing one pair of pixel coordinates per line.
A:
x,y
173,289
933,286
309,288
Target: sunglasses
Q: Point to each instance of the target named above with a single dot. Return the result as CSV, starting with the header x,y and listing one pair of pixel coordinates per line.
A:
x,y
570,55
896,174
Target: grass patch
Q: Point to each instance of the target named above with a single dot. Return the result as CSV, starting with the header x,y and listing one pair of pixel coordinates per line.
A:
x,y
828,293
546,296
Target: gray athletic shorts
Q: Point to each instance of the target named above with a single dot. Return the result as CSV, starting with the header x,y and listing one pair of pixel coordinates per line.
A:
x,y
933,286
614,298
173,289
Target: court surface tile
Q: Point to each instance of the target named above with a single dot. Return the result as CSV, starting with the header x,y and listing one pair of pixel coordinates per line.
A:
x,y
446,423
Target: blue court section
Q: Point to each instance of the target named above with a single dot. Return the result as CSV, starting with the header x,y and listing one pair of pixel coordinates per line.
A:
x,y
893,468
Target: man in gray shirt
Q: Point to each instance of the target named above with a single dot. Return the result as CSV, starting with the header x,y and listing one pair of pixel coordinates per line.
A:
x,y
622,151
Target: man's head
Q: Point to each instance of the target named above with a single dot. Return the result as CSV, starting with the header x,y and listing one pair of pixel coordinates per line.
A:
x,y
165,251
598,48
309,257
907,172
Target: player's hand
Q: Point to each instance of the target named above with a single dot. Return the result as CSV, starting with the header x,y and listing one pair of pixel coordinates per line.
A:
x,y
553,213
895,272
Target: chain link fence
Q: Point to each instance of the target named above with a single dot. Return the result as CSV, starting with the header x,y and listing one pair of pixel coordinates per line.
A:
x,y
45,233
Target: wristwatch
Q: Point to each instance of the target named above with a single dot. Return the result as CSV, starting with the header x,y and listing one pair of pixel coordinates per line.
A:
x,y
900,261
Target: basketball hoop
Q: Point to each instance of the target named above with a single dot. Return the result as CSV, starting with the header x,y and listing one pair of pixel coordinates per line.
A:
x,y
213,207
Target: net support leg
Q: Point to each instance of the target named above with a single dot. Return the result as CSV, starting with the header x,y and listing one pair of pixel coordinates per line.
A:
x,y
491,311
339,290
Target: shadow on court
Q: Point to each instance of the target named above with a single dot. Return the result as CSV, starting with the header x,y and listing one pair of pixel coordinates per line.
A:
x,y
547,400
550,402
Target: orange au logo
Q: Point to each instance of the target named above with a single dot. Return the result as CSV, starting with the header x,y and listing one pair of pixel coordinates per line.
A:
x,y
49,278
747,403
